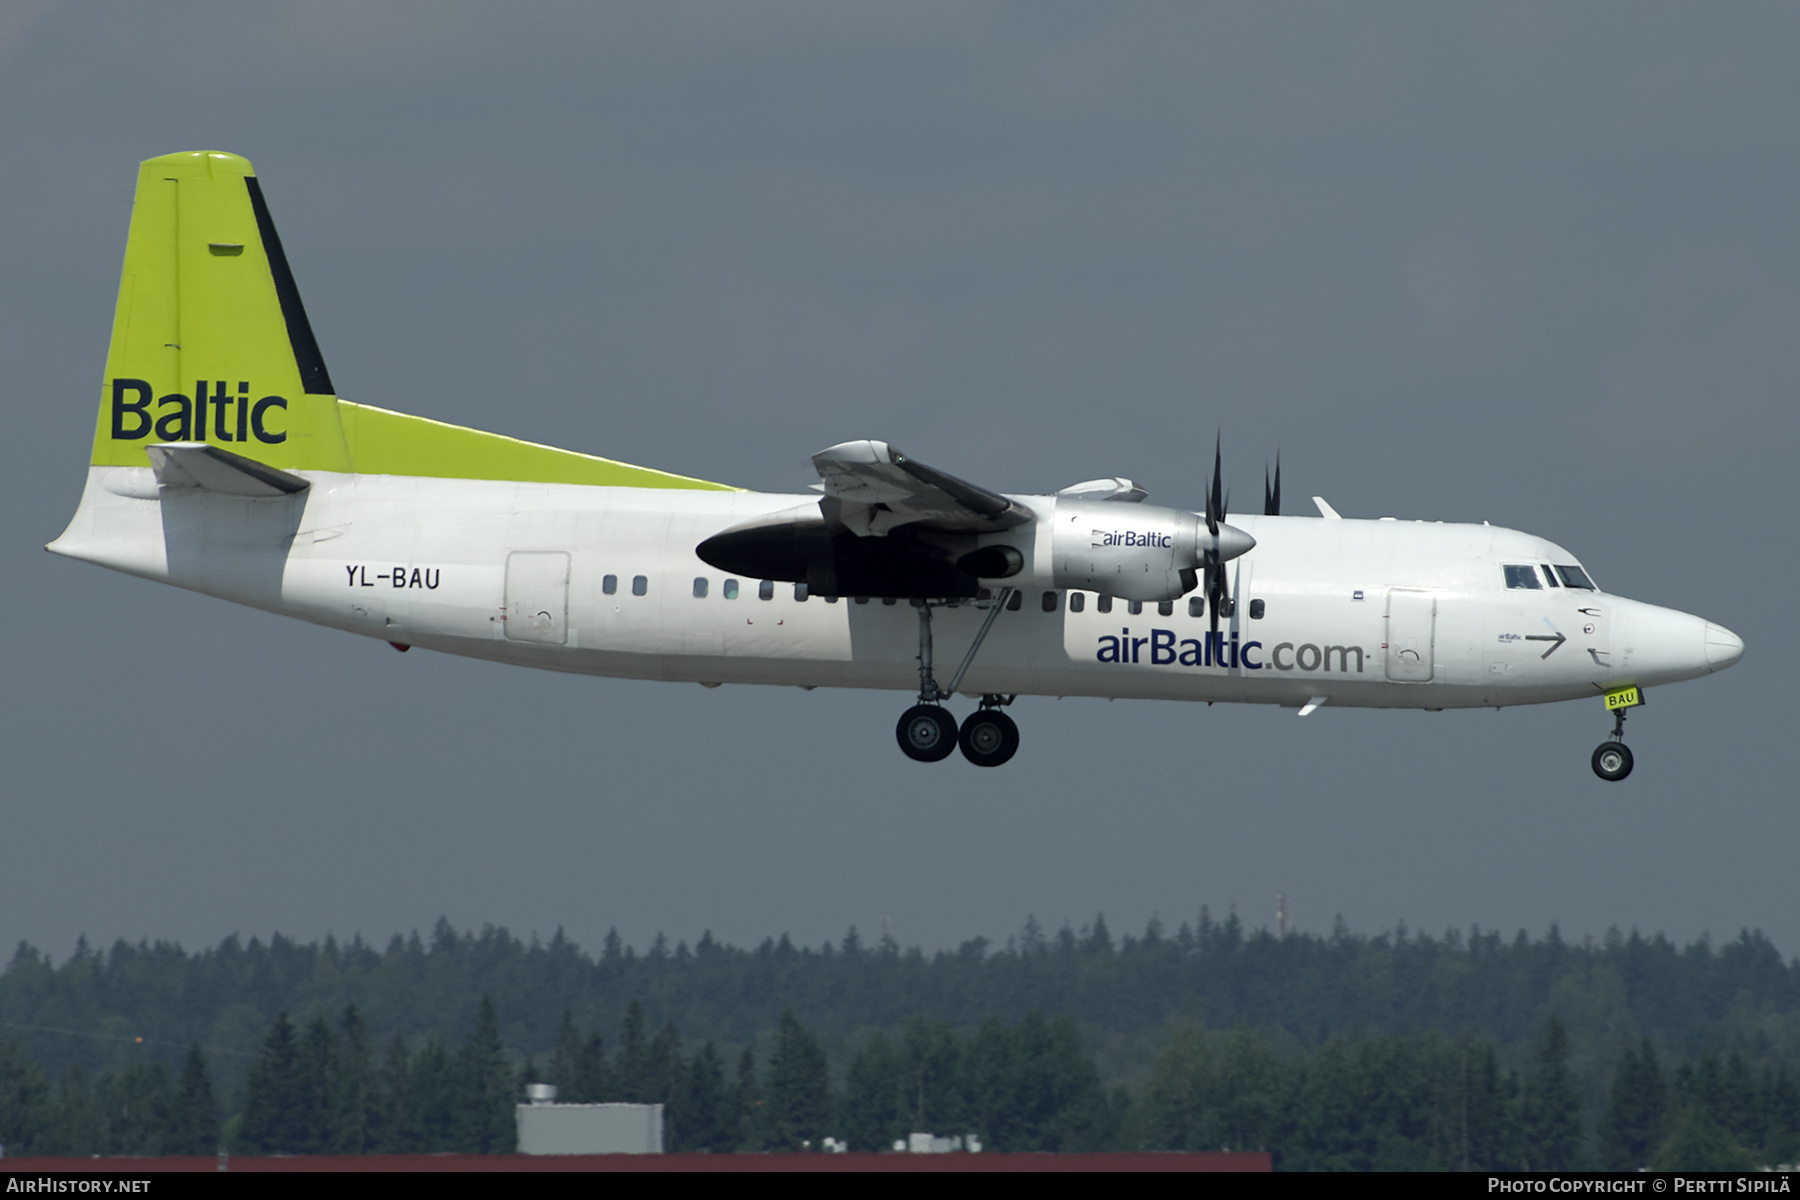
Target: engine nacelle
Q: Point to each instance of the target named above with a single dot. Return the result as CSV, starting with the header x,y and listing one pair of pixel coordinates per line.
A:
x,y
1133,551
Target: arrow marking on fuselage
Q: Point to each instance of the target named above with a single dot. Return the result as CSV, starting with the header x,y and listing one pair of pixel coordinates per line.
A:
x,y
1559,639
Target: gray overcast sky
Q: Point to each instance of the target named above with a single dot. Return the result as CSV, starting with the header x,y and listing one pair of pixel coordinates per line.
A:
x,y
1534,264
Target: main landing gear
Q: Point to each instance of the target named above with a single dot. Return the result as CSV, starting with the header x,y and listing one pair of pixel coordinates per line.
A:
x,y
1612,760
928,733
988,737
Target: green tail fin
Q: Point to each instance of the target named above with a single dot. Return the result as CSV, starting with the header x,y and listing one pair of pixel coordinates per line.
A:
x,y
210,341
211,344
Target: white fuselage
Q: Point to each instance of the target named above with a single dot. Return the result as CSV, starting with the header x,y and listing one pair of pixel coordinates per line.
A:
x,y
1391,614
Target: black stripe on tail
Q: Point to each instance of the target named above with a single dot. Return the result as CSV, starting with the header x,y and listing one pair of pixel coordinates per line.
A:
x,y
314,378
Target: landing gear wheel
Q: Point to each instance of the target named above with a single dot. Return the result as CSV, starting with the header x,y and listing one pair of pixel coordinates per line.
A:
x,y
1612,761
989,738
926,733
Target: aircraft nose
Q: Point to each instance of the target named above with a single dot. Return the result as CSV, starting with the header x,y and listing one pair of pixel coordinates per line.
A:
x,y
1665,645
1723,647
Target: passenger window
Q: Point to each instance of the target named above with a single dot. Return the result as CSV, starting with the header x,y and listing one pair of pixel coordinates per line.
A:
x,y
862,599
800,592
1227,606
639,585
1196,606
1077,601
831,599
890,601
1575,577
1522,577
731,589
1256,610
700,588
1016,601
1049,601
1103,604
1134,607
1166,609
765,590
609,584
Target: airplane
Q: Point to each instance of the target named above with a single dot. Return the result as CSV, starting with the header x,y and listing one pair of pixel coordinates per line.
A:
x,y
224,461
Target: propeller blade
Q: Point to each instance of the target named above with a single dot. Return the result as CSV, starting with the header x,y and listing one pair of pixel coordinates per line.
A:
x,y
1272,495
1214,574
1215,495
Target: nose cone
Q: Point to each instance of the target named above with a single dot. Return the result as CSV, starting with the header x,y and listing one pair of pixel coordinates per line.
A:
x,y
1723,647
1233,542
1654,645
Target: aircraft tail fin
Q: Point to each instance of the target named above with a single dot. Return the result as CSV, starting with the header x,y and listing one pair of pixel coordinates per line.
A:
x,y
211,345
210,340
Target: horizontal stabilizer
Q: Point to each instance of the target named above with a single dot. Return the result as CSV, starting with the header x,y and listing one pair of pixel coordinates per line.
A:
x,y
200,465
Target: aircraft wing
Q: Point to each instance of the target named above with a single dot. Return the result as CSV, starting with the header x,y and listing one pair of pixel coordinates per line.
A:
x,y
871,488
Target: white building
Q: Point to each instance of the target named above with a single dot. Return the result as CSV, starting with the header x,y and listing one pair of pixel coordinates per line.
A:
x,y
546,1127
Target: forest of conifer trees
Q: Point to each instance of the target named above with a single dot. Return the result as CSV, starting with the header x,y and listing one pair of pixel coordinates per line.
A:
x,y
1373,1103
1394,1052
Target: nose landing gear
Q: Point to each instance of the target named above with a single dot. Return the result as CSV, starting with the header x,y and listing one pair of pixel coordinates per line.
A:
x,y
928,733
1612,760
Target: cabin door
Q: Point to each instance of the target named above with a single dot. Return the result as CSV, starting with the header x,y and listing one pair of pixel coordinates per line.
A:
x,y
1411,630
537,596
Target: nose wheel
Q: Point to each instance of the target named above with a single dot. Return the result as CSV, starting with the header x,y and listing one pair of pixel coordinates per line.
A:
x,y
1612,760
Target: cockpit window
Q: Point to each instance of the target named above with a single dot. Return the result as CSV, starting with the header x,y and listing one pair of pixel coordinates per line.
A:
x,y
1575,577
1522,577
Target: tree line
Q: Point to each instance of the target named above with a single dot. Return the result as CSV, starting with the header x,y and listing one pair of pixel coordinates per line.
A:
x,y
140,1110
128,1016
1026,1085
321,1090
1434,1103
1302,989
1375,1102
